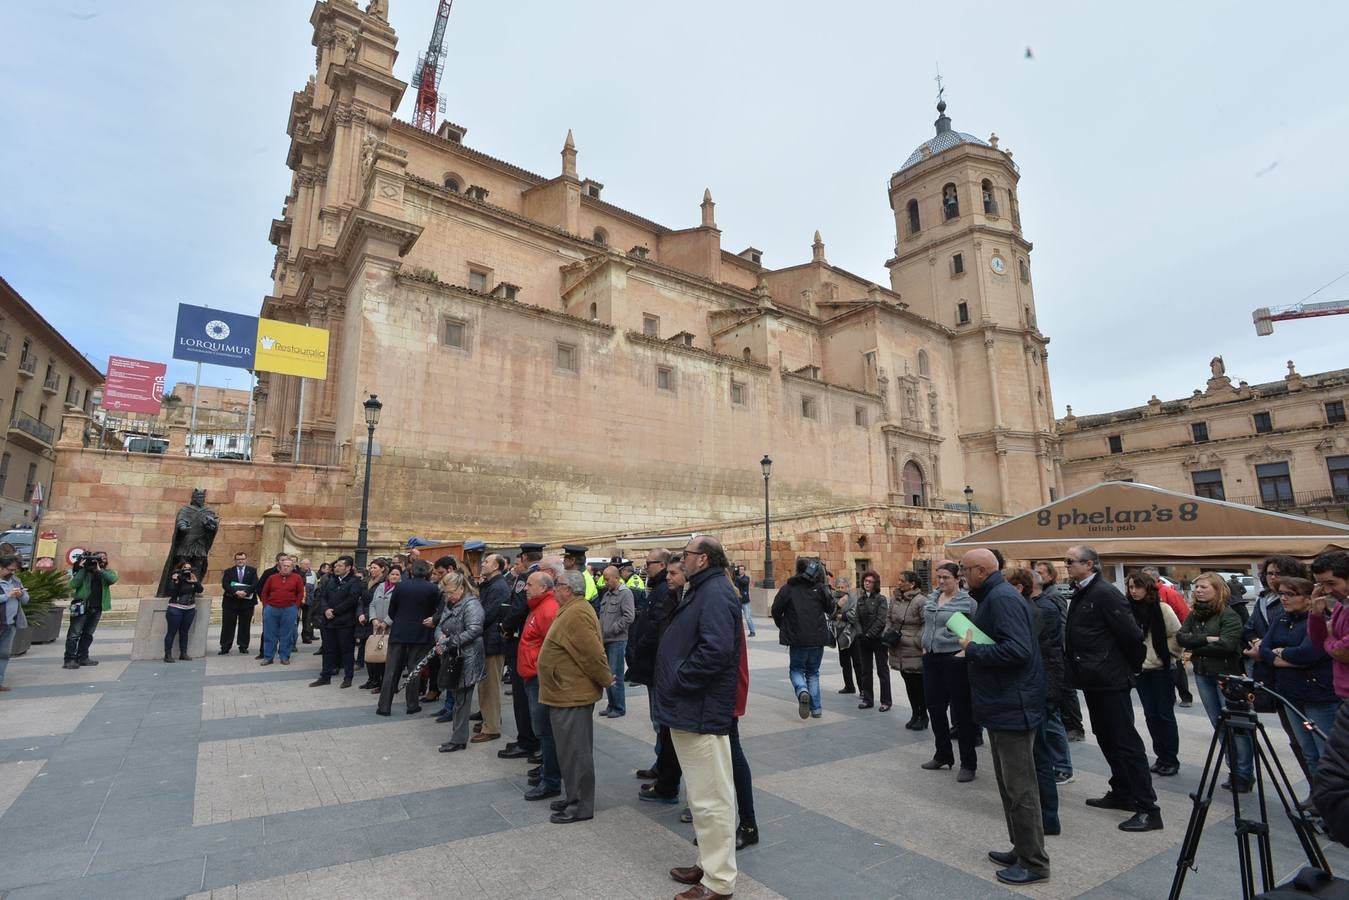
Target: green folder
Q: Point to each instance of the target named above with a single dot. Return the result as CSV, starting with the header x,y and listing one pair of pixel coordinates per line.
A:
x,y
960,625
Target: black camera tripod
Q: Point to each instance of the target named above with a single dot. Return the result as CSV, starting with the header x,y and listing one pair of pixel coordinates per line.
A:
x,y
1238,718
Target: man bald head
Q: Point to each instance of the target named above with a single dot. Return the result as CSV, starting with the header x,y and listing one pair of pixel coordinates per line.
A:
x,y
977,565
612,580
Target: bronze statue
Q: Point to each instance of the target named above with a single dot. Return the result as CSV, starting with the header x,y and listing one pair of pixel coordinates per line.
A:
x,y
194,531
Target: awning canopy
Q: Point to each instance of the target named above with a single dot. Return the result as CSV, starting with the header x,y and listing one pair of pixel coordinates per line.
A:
x,y
1124,520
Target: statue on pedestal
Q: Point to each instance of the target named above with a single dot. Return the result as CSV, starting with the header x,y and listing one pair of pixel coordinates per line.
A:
x,y
194,530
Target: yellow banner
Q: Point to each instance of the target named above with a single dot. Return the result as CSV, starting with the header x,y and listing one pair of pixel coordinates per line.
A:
x,y
291,349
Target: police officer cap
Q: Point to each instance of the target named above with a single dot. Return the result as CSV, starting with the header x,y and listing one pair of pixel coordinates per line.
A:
x,y
531,548
574,549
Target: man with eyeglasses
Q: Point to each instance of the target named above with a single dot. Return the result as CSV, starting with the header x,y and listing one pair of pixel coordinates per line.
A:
x,y
644,638
697,677
1104,649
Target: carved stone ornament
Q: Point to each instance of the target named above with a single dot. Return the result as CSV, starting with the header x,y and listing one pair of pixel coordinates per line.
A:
x,y
379,9
1199,461
1269,454
1119,473
1335,446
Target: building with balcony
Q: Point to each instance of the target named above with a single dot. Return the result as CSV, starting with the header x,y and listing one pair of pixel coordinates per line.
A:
x,y
41,375
1280,445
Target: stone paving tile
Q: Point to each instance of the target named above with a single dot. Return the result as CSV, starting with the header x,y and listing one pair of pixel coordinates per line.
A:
x,y
45,715
48,673
236,663
770,715
619,854
277,698
14,778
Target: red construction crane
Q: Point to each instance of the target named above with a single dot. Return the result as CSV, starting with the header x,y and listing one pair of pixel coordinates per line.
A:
x,y
426,79
1265,317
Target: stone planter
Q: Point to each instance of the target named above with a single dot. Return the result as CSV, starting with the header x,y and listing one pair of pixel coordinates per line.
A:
x,y
23,639
50,629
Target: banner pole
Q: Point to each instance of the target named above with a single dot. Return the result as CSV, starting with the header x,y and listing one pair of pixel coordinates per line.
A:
x,y
248,422
192,431
299,423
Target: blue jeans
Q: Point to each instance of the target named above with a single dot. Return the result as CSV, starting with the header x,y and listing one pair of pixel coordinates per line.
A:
x,y
1241,765
7,633
617,696
80,632
278,631
803,665
179,622
1322,715
551,775
749,617
1157,692
1055,738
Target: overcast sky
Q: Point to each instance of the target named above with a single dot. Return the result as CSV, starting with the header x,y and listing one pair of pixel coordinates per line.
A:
x,y
1181,164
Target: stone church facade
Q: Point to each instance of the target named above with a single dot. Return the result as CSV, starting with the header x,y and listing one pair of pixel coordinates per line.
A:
x,y
501,315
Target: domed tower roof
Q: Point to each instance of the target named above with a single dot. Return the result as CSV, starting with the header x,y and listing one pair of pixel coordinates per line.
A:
x,y
945,139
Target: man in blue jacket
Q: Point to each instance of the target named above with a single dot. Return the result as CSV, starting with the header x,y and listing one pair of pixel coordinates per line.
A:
x,y
697,674
1007,686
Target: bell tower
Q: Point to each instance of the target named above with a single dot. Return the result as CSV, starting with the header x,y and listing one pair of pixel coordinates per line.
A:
x,y
962,262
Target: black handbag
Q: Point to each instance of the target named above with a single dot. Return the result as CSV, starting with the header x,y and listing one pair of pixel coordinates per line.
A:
x,y
891,638
451,671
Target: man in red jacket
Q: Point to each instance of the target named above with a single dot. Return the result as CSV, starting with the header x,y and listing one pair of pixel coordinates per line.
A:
x,y
282,595
1172,598
542,612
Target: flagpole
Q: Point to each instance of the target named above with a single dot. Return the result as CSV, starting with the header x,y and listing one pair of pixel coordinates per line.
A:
x,y
248,422
192,431
299,424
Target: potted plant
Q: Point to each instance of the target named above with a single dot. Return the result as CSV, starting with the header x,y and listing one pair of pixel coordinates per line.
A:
x,y
42,611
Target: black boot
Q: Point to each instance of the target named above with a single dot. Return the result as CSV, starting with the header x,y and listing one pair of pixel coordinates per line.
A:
x,y
922,722
746,835
912,724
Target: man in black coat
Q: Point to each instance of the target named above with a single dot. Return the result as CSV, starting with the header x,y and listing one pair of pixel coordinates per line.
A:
x,y
526,743
495,596
697,676
1104,648
412,606
644,638
801,611
239,585
1007,687
337,619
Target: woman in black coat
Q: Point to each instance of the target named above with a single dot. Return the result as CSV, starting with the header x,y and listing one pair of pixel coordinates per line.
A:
x,y
412,605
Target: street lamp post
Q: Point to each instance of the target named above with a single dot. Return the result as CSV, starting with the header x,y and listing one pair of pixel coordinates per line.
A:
x,y
969,506
372,408
767,465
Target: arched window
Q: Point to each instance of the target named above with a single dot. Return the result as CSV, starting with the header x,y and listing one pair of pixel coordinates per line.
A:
x,y
922,363
601,236
747,354
452,183
950,201
594,312
913,485
915,224
990,205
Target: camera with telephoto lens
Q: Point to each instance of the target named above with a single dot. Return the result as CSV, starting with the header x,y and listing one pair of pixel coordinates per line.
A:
x,y
1238,691
91,561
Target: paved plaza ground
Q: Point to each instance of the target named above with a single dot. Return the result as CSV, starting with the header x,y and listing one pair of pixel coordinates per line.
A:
x,y
217,778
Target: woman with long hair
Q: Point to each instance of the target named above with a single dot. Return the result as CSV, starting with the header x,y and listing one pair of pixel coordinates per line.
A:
x,y
946,680
1156,684
904,637
870,653
1212,634
377,618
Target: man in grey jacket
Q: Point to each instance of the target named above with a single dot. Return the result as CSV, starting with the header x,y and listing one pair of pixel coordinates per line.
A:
x,y
13,598
617,612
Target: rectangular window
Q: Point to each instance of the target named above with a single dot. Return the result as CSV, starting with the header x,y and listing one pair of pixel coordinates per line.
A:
x,y
808,410
1276,488
477,280
1334,412
737,393
1199,430
962,313
1116,444
957,264
511,292
1263,423
665,379
651,325
31,481
1053,494
566,358
1209,483
1339,477
456,334
4,471
859,416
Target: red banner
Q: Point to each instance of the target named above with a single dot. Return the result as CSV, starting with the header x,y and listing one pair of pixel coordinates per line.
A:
x,y
133,385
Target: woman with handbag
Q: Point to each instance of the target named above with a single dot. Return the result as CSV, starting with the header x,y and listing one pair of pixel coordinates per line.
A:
x,y
376,616
459,646
375,575
843,631
903,637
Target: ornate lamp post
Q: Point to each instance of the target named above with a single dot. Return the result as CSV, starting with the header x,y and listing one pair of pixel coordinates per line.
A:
x,y
767,465
372,408
969,506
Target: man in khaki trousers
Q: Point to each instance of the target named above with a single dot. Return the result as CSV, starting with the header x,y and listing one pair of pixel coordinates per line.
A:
x,y
495,596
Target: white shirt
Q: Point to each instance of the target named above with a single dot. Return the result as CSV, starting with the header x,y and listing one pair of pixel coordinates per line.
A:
x,y
1082,585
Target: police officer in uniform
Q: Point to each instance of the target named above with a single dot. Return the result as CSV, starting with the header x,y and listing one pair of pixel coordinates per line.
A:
x,y
512,623
574,559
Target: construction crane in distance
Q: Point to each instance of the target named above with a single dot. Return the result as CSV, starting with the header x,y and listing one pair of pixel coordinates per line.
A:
x,y
1266,316
426,80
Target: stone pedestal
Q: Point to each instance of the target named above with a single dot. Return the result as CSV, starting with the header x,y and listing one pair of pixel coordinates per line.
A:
x,y
761,600
151,625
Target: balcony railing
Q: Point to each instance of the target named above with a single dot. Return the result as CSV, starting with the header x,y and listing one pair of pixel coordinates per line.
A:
x,y
39,431
27,365
52,383
1298,500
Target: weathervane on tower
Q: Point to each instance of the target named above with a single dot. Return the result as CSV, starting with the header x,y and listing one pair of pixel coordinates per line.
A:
x,y
940,89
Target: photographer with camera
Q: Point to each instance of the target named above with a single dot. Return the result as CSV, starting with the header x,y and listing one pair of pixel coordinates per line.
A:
x,y
182,609
89,585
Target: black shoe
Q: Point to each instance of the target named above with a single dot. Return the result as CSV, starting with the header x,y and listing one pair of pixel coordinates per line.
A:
x,y
965,775
1052,829
912,724
476,717
512,751
320,681
383,712
1003,857
1077,735
848,690
71,664
542,793
865,704
451,747
1166,770
266,662
318,652
306,640
369,685
1142,821
922,723
934,764
746,835
184,657
534,780
647,774
259,656
167,658
223,652
1018,874
566,817
535,758
558,805
346,683
445,717
535,772
803,704
1110,801
412,711
979,739
87,662
1243,786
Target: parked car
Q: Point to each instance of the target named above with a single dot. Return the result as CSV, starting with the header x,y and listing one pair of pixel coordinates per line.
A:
x,y
21,539
1249,582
